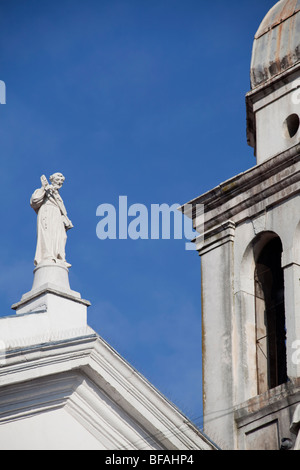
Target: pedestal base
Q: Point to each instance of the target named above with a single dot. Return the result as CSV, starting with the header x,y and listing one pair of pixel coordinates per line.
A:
x,y
51,294
54,274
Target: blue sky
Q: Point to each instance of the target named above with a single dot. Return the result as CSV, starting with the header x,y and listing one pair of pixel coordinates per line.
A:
x,y
144,99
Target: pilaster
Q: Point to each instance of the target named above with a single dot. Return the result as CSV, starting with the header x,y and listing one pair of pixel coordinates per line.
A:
x,y
217,272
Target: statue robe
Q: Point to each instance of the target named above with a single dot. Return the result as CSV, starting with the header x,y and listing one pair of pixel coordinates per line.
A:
x,y
51,231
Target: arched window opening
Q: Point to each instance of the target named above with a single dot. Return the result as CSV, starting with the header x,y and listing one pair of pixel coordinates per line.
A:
x,y
270,317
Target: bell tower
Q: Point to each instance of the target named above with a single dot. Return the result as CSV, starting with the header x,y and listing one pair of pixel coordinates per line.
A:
x,y
250,259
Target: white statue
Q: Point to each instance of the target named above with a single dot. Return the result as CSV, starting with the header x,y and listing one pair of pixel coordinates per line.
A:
x,y
52,221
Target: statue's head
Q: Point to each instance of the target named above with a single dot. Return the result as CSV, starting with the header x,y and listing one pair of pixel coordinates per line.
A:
x,y
57,180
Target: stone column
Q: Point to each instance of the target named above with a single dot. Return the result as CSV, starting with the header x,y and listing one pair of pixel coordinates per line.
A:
x,y
292,308
217,313
295,427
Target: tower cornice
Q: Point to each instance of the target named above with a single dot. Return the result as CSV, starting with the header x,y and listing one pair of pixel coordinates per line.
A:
x,y
251,192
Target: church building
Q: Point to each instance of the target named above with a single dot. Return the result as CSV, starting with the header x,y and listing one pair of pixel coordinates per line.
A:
x,y
250,259
63,387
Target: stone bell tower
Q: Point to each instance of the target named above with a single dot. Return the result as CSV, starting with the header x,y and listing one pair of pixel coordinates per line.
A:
x,y
250,259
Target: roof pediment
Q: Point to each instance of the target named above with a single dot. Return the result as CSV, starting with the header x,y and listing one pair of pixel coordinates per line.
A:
x,y
100,400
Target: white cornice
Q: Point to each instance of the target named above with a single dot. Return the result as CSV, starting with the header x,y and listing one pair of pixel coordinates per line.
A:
x,y
107,374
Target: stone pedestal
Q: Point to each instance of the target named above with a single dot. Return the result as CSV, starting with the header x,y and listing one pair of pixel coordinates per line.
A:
x,y
52,296
55,273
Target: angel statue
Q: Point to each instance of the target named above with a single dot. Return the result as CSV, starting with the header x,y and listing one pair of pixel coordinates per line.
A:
x,y
52,221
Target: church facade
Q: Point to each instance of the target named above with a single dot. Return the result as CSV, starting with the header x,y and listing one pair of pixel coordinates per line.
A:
x,y
63,387
250,259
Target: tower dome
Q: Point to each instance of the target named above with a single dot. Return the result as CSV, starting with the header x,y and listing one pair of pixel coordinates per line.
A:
x,y
277,42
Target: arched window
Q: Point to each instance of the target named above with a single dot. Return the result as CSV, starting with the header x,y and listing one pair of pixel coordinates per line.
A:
x,y
270,317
